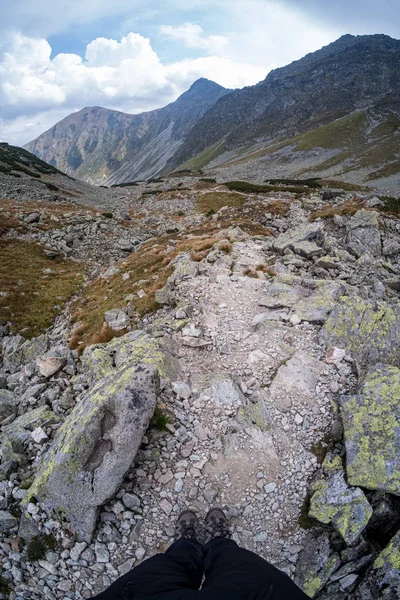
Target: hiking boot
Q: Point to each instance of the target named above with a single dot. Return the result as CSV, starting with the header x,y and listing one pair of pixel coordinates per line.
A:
x,y
187,527
216,525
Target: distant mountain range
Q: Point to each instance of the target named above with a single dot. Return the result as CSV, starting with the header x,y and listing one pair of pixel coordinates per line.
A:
x,y
334,112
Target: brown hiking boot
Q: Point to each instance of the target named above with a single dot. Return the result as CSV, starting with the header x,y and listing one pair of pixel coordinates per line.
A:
x,y
216,525
187,527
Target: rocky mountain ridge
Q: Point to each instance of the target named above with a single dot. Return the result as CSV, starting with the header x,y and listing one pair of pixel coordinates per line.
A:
x,y
105,146
259,329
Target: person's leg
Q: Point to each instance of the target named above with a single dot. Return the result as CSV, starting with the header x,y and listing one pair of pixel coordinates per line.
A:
x,y
180,568
235,573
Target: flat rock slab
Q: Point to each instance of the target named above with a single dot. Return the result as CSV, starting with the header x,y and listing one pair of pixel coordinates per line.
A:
x,y
317,307
370,332
295,380
333,501
371,421
364,230
95,447
293,237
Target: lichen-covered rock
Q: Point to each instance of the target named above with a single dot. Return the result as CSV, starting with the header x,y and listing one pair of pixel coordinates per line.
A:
x,y
225,392
371,421
95,447
17,351
8,404
316,564
382,580
364,230
117,319
296,380
370,332
317,307
285,291
184,268
133,348
293,237
333,501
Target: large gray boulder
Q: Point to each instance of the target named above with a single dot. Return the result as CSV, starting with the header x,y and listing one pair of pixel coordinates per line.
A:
x,y
295,239
18,351
371,421
364,231
96,446
333,501
369,331
316,563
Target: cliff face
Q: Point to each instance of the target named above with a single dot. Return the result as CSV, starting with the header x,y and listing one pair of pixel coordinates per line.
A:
x,y
353,73
106,146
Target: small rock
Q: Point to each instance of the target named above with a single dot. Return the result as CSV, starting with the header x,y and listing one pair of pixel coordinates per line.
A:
x,y
39,436
50,366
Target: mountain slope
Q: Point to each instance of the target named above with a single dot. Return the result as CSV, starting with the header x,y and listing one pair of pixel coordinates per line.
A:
x,y
107,146
351,74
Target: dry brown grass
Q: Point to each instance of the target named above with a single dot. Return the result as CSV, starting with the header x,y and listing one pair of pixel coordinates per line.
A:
x,y
262,268
106,334
349,207
278,208
225,247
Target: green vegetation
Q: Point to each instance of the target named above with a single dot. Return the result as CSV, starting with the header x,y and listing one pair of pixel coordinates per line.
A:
x,y
208,179
159,420
127,184
213,201
311,183
39,545
31,298
4,587
108,215
254,188
349,208
304,520
13,158
206,156
391,204
51,186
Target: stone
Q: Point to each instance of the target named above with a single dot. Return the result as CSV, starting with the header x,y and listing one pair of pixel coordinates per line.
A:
x,y
333,501
166,506
95,446
17,351
113,270
293,237
38,435
317,307
307,249
280,295
8,404
181,389
382,580
368,331
117,319
371,421
225,392
102,554
131,501
77,550
7,521
140,553
334,356
295,379
50,366
364,230
270,488
316,563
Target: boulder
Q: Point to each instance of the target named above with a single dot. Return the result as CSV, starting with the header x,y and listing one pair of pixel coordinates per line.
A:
x,y
117,319
317,307
297,379
50,366
316,564
96,446
8,404
293,239
363,229
368,331
333,501
371,421
225,392
7,521
184,268
382,580
17,351
133,348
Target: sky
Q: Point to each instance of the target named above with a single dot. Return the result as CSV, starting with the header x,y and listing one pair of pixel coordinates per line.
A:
x,y
58,56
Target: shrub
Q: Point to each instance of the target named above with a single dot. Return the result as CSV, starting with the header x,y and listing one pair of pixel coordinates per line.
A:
x,y
211,211
108,215
180,213
51,186
159,420
39,545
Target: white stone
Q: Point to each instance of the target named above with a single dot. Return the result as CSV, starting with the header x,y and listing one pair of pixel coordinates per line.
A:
x,y
38,435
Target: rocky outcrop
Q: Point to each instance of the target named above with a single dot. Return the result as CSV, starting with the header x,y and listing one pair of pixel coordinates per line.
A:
x,y
383,578
371,423
95,447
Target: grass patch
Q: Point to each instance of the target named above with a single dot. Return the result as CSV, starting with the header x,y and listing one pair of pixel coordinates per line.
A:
x,y
349,208
206,156
311,183
159,420
107,215
391,204
304,520
212,202
32,298
253,271
39,545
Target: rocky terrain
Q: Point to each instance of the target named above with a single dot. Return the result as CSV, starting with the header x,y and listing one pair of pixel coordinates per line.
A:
x,y
105,146
206,346
334,114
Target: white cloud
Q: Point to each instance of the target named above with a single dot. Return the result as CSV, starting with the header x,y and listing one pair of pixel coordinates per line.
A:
x,y
124,75
193,37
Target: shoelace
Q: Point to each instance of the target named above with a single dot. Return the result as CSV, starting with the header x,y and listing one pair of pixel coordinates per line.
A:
x,y
218,529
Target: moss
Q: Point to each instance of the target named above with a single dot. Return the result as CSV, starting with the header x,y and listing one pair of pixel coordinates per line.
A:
x,y
39,545
304,520
312,586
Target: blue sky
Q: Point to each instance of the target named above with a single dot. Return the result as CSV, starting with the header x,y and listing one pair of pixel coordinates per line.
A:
x,y
57,56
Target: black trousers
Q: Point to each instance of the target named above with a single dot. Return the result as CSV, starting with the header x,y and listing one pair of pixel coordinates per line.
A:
x,y
230,573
